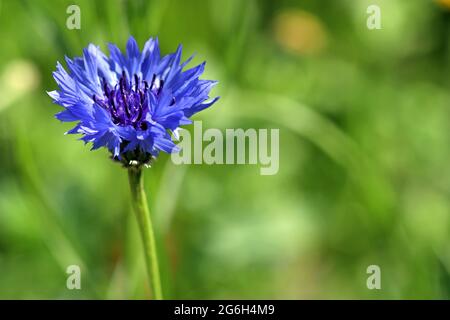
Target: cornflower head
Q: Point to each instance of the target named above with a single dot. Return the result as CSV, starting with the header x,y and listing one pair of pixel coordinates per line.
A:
x,y
133,104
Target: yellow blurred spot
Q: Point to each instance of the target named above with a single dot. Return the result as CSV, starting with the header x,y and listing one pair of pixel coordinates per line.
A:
x,y
300,32
18,78
445,3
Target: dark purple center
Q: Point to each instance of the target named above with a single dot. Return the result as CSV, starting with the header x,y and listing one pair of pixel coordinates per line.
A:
x,y
128,101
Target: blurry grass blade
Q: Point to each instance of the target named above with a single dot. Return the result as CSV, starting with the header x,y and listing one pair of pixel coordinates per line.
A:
x,y
166,199
302,120
53,231
322,133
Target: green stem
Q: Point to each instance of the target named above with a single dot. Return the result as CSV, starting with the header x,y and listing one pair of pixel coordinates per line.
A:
x,y
140,206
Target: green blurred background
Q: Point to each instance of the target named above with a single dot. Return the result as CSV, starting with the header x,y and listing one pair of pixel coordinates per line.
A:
x,y
364,154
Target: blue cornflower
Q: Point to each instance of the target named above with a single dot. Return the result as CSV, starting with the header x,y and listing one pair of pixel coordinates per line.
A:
x,y
130,104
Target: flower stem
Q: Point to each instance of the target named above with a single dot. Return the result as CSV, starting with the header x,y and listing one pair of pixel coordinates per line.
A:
x,y
140,206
